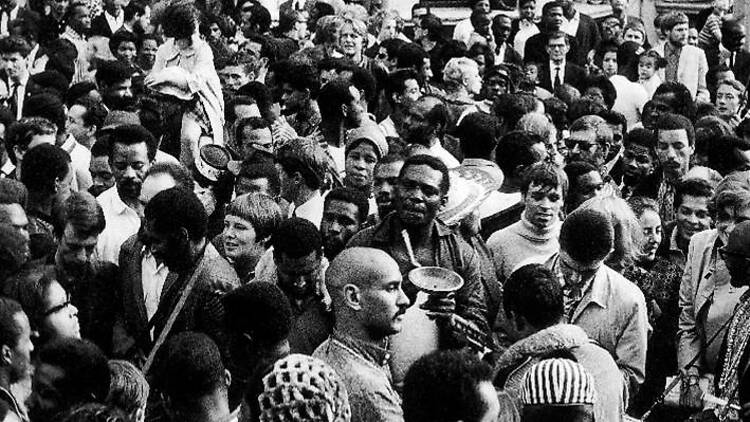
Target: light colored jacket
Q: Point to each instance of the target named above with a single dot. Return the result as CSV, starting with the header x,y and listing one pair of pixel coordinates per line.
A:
x,y
691,71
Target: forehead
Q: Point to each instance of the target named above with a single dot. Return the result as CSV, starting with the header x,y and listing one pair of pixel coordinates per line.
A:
x,y
232,70
729,89
389,169
340,207
287,263
693,202
672,136
637,149
422,173
133,151
363,147
534,187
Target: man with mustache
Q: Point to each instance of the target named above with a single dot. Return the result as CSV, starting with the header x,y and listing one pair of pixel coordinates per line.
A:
x,y
344,212
422,189
675,144
385,179
130,155
368,304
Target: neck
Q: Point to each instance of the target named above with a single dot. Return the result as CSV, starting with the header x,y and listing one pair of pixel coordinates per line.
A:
x,y
356,58
211,408
682,243
5,380
303,195
354,329
133,203
510,185
331,131
557,62
420,236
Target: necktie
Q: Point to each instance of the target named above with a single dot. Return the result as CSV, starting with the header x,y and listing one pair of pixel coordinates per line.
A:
x,y
557,77
13,100
731,60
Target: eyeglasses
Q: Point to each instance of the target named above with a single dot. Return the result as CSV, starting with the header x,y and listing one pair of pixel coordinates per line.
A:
x,y
57,308
725,255
582,145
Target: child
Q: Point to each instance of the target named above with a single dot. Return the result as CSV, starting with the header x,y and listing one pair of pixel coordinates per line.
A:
x,y
649,64
710,35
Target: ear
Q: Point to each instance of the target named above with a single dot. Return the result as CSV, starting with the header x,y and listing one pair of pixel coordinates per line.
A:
x,y
227,378
6,354
17,151
353,297
184,233
344,109
444,200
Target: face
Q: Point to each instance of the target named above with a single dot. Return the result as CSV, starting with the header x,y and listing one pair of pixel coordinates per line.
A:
x,y
245,185
293,100
16,66
679,34
611,29
384,187
171,248
129,166
480,60
46,399
557,48
473,81
61,319
418,196
495,86
360,165
155,184
76,126
646,67
728,101
389,29
588,186
101,174
240,240
59,7
74,251
582,146
502,30
543,205
356,109
21,367
416,126
80,20
126,52
482,6
692,38
207,196
426,70
673,150
531,72
340,222
595,94
651,226
528,10
383,302
618,4
639,163
350,42
728,218
634,36
554,18
692,216
253,138
14,216
609,64
298,277
233,77
411,92
119,93
148,52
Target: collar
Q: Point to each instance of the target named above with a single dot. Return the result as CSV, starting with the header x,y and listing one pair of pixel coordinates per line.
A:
x,y
390,228
310,203
377,354
599,288
670,49
524,23
116,203
113,17
543,342
174,51
673,241
7,168
70,144
147,255
12,401
552,67
608,166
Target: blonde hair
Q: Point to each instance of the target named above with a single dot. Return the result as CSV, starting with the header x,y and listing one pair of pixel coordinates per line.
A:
x,y
627,229
455,71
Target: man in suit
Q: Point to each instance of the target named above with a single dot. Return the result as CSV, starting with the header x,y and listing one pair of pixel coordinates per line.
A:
x,y
10,10
732,51
557,70
686,64
17,86
583,28
504,52
552,22
110,20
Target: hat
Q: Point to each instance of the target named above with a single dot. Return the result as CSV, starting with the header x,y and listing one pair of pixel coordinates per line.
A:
x,y
558,382
489,181
212,161
498,70
164,82
301,387
371,132
464,196
117,118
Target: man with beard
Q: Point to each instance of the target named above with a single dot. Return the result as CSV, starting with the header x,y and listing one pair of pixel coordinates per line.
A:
x,y
590,140
675,144
344,212
16,344
341,107
425,123
385,179
114,79
89,282
402,87
299,85
298,267
369,304
175,226
686,64
423,185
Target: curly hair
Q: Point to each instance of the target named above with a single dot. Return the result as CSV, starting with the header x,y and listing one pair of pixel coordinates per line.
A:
x,y
179,19
533,292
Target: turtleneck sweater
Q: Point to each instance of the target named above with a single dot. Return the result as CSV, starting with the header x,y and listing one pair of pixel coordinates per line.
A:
x,y
522,242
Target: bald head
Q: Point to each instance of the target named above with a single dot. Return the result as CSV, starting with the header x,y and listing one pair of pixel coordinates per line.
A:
x,y
361,267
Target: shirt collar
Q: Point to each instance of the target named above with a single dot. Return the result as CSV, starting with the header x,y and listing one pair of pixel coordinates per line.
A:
x,y
673,241
600,287
7,168
116,203
70,144
377,354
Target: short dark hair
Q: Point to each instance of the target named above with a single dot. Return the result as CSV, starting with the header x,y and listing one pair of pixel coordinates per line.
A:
x,y
683,104
177,208
672,121
188,367
672,19
584,107
432,162
132,135
479,133
14,44
254,170
306,157
514,151
84,214
86,374
551,5
9,329
259,309
396,82
545,174
575,170
254,123
182,176
438,116
692,187
229,113
411,56
128,389
509,108
392,46
77,91
643,137
605,86
332,96
533,292
19,134
95,112
433,24
132,10
302,76
587,249
119,37
179,20
42,166
297,237
48,106
110,72
351,196
444,386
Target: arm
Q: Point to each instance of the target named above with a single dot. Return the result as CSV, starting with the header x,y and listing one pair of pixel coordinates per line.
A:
x,y
689,342
470,299
702,92
632,344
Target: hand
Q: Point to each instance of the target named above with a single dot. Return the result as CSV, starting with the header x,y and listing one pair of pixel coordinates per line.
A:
x,y
691,396
440,304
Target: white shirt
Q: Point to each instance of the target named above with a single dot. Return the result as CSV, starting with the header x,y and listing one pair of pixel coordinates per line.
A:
x,y
526,30
571,27
153,276
7,17
20,94
312,210
114,23
122,222
553,71
448,159
80,156
463,30
500,54
388,128
631,97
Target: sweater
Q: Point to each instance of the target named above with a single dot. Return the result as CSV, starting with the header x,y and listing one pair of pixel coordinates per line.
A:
x,y
522,242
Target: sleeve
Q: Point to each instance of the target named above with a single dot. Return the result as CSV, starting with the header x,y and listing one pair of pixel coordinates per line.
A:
x,y
688,338
632,344
702,92
470,299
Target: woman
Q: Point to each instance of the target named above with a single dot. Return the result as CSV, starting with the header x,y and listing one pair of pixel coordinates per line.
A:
x,y
659,280
249,222
626,228
365,146
730,101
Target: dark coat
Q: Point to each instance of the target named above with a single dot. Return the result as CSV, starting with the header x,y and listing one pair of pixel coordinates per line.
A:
x,y
587,36
100,27
574,75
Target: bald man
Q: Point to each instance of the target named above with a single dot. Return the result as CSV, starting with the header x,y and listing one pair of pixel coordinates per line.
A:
x,y
368,304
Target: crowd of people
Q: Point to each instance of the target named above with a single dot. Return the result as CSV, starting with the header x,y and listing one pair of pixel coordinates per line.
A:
x,y
208,215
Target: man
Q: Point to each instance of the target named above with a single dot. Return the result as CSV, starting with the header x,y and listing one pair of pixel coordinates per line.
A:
x,y
450,386
345,211
77,28
88,281
504,52
675,145
193,379
685,63
596,296
255,177
583,28
556,69
12,202
422,189
425,123
586,182
237,71
298,267
732,52
368,304
130,156
401,88
691,201
18,87
538,50
69,372
533,304
254,140
114,79
590,140
302,167
101,173
463,30
385,180
110,20
341,107
300,85
10,10
524,27
16,344
497,82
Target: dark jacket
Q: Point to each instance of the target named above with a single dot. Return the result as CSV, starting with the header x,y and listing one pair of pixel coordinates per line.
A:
x,y
100,27
574,75
587,36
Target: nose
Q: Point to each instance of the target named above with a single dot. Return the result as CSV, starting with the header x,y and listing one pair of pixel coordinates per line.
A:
x,y
335,227
402,300
671,153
